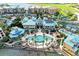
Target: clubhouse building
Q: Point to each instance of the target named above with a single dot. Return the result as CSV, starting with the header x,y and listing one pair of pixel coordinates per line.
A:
x,y
32,23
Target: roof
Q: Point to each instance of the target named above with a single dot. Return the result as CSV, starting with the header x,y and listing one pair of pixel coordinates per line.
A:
x,y
24,20
45,18
34,18
8,22
39,20
27,21
72,27
71,40
49,23
67,33
16,31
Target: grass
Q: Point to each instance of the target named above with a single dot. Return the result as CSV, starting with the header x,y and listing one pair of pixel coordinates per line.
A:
x,y
63,7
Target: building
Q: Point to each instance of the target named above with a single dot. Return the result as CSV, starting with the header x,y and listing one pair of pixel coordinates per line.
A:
x,y
67,33
8,22
12,9
39,23
2,34
72,27
44,9
33,22
71,45
49,24
29,23
16,31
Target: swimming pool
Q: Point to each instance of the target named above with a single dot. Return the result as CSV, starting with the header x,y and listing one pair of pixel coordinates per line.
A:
x,y
39,38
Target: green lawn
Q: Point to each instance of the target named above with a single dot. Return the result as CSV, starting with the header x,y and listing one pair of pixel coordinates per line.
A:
x,y
62,7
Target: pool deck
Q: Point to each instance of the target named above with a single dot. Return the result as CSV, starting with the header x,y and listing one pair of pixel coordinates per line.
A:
x,y
45,44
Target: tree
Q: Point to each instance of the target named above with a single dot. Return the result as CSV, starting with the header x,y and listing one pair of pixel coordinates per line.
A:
x,y
59,41
57,13
5,39
74,18
44,35
62,41
46,39
70,14
7,31
32,39
17,22
1,45
43,42
35,35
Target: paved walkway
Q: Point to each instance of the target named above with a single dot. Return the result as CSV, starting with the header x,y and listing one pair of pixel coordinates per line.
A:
x,y
10,44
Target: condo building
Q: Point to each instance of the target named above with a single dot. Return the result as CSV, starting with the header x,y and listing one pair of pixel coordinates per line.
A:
x,y
71,45
12,10
44,9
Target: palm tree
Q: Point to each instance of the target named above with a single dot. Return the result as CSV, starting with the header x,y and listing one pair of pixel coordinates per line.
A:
x,y
62,41
43,41
32,39
46,39
35,43
43,35
35,35
52,39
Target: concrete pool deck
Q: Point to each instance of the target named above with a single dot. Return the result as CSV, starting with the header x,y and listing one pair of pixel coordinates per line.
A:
x,y
44,44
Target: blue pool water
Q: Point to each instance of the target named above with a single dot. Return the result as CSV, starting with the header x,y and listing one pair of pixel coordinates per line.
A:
x,y
39,38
